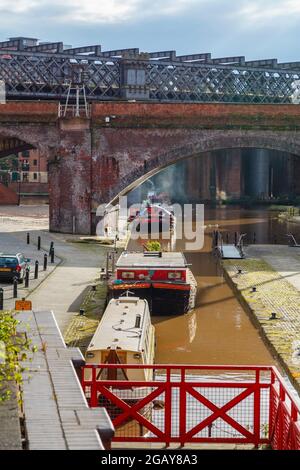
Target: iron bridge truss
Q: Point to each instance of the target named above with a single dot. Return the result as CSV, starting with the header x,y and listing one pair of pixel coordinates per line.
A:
x,y
45,71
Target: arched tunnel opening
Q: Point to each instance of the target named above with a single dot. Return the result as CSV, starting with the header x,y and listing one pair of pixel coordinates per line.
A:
x,y
229,176
23,173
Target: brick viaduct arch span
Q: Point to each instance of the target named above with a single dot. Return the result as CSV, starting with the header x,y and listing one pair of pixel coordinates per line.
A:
x,y
92,161
196,143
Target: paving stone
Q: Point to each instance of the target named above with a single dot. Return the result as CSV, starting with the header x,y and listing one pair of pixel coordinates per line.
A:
x,y
275,272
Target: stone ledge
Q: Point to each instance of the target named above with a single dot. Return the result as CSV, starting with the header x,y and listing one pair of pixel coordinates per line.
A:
x,y
273,295
57,415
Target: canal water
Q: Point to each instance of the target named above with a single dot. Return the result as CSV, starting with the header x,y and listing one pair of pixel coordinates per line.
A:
x,y
218,330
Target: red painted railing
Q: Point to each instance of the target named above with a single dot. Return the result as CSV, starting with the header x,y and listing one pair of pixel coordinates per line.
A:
x,y
186,404
284,416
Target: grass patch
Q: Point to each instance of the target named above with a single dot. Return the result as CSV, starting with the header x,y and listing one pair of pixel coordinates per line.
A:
x,y
82,327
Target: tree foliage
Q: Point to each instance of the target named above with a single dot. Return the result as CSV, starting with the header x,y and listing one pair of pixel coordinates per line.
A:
x,y
14,349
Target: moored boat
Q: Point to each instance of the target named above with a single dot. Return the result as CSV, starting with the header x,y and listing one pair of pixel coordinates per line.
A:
x,y
162,278
125,335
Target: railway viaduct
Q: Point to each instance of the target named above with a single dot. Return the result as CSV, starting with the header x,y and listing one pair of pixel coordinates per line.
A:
x,y
94,160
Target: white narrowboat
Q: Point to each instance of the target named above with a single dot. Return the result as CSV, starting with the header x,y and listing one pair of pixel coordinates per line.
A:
x,y
125,335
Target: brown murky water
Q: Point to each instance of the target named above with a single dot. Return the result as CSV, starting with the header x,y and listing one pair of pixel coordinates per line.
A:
x,y
218,331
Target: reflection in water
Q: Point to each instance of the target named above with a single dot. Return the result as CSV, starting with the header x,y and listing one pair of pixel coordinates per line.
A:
x,y
192,324
218,331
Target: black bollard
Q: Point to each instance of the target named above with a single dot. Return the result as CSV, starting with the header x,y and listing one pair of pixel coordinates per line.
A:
x,y
28,238
39,243
213,240
51,248
275,240
27,277
217,238
254,237
36,270
1,298
45,262
235,238
52,255
15,287
227,238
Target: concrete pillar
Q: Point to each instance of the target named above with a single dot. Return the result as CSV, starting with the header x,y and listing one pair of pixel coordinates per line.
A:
x,y
228,164
297,175
258,173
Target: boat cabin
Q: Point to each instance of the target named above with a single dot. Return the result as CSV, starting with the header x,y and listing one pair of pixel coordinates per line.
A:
x,y
152,266
125,335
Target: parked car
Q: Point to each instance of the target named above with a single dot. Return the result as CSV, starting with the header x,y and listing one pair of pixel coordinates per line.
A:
x,y
13,265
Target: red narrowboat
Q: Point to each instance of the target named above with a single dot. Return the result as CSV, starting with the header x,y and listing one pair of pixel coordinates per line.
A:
x,y
162,278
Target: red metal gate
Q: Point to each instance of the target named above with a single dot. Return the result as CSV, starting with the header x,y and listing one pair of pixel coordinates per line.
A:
x,y
185,404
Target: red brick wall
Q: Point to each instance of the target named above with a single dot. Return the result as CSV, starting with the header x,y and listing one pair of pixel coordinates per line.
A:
x,y
197,115
30,188
29,111
7,195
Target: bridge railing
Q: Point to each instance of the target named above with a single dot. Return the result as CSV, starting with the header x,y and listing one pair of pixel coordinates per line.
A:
x,y
195,404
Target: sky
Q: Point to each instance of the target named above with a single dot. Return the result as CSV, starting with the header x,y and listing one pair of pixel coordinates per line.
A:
x,y
258,29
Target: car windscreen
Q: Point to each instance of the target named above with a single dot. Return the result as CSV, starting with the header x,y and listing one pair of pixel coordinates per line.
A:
x,y
8,262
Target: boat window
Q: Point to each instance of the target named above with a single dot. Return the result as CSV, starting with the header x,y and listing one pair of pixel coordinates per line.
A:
x,y
174,275
127,275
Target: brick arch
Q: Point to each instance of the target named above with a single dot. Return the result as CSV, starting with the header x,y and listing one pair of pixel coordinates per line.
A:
x,y
202,142
28,137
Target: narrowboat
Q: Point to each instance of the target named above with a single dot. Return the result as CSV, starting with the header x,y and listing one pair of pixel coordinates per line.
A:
x,y
164,279
155,218
125,335
155,215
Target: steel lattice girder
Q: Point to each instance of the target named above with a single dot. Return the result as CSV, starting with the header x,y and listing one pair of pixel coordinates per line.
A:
x,y
44,75
219,83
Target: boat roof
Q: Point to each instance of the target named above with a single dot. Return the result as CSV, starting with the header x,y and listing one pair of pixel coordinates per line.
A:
x,y
167,259
117,326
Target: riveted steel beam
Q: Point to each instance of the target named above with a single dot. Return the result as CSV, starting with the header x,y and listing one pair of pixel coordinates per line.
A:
x,y
46,47
96,49
228,60
120,52
194,57
262,63
289,65
171,55
14,45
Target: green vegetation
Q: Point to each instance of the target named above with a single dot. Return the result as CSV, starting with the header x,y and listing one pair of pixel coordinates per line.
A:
x,y
9,163
14,348
153,245
81,328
